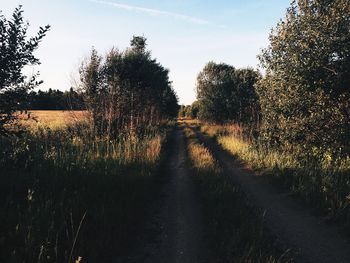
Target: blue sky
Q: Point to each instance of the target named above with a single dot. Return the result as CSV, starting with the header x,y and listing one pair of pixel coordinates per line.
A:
x,y
182,34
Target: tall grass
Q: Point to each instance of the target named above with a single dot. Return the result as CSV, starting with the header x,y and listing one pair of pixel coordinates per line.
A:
x,y
234,229
53,119
65,194
323,182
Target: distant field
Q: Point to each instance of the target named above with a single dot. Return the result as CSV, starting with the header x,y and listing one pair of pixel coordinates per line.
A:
x,y
52,118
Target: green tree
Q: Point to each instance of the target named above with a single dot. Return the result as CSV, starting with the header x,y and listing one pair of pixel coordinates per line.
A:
x,y
138,43
214,89
181,113
91,85
170,106
244,95
227,94
127,91
191,111
305,94
16,52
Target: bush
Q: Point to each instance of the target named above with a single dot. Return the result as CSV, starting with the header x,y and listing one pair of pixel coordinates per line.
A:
x,y
227,94
305,96
127,91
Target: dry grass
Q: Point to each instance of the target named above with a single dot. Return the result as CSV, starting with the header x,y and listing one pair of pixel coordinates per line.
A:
x,y
323,183
217,130
256,158
231,138
200,156
52,119
153,150
56,173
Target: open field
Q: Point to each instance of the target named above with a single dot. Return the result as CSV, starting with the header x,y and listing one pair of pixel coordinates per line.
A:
x,y
52,118
66,195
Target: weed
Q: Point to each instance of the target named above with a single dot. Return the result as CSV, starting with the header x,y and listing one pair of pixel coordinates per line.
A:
x,y
68,196
323,183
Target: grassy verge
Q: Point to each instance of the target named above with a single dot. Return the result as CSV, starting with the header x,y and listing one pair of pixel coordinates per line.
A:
x,y
66,197
234,228
323,184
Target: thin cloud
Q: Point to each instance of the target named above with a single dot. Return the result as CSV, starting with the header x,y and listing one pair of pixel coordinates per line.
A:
x,y
155,12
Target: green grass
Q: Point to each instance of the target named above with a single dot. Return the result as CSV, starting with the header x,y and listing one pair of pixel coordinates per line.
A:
x,y
234,228
323,182
65,194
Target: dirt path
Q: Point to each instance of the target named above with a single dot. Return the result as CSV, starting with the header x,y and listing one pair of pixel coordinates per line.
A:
x,y
179,219
290,222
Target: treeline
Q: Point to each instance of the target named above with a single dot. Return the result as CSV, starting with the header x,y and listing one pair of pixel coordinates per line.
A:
x,y
189,111
55,100
302,102
225,93
127,91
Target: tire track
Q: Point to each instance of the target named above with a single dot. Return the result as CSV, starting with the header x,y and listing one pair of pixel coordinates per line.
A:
x,y
291,223
179,219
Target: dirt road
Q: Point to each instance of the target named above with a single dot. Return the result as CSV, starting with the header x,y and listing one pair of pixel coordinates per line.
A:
x,y
291,223
179,219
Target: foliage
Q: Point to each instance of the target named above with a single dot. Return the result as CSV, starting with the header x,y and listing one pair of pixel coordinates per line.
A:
x,y
324,184
305,94
182,111
127,91
55,100
189,111
16,52
227,94
65,194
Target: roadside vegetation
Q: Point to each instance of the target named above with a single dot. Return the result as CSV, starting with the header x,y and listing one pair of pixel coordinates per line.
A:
x,y
65,195
234,228
75,186
323,185
293,122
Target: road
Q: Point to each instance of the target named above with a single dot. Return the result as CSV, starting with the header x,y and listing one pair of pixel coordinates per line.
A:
x,y
288,220
179,220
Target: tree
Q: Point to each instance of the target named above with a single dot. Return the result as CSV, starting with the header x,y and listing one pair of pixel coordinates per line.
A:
x,y
214,86
127,91
181,112
138,43
194,109
244,95
55,100
227,94
170,106
189,111
305,96
91,78
16,52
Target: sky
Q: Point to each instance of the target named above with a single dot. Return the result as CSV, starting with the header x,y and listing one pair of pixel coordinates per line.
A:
x,y
182,34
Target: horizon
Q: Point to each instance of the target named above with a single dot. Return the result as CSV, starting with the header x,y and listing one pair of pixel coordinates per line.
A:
x,y
182,35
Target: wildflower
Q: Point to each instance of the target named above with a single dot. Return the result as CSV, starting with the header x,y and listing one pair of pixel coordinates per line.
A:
x,y
30,195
